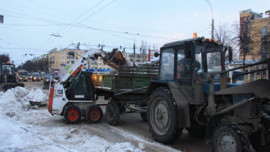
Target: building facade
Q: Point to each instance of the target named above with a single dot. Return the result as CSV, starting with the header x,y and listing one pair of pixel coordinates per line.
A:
x,y
254,35
60,61
54,60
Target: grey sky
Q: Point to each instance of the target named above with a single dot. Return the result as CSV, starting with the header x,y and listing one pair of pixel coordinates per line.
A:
x,y
33,26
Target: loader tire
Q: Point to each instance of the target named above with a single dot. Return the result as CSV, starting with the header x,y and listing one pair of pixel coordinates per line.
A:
x,y
72,114
94,114
162,116
112,114
230,137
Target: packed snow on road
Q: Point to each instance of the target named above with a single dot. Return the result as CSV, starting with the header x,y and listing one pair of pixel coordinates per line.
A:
x,y
25,127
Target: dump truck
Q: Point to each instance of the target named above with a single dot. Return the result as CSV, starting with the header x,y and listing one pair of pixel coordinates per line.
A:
x,y
192,91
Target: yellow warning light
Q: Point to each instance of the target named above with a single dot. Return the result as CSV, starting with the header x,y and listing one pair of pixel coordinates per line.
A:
x,y
8,62
194,35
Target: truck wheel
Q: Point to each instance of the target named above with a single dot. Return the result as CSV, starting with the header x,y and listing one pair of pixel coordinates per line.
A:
x,y
229,137
94,114
112,114
72,114
162,116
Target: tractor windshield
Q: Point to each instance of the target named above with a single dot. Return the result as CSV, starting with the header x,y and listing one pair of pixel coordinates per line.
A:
x,y
8,69
213,62
209,57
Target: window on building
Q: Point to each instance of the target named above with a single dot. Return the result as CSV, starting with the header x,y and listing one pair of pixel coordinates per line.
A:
x,y
263,31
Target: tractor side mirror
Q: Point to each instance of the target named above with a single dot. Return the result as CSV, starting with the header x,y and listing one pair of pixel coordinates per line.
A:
x,y
156,54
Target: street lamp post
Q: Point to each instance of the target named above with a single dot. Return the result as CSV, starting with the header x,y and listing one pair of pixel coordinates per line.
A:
x,y
1,19
212,25
134,47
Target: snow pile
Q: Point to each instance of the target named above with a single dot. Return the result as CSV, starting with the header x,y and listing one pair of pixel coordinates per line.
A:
x,y
16,100
123,147
37,96
25,129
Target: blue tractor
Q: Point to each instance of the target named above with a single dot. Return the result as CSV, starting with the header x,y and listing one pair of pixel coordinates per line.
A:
x,y
193,92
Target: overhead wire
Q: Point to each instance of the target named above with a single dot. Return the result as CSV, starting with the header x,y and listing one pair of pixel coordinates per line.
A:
x,y
100,29
85,12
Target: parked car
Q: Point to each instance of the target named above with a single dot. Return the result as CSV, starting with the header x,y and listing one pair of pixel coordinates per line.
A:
x,y
36,77
47,79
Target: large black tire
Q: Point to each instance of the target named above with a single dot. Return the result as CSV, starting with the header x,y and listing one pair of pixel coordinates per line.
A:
x,y
72,114
94,114
230,138
112,114
162,116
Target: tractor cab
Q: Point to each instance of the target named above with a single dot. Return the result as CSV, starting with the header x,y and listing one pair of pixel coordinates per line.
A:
x,y
8,73
191,61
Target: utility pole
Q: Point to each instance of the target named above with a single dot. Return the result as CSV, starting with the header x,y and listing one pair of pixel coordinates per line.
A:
x,y
134,49
212,25
1,19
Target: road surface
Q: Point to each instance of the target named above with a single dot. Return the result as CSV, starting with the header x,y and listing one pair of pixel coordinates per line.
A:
x,y
131,123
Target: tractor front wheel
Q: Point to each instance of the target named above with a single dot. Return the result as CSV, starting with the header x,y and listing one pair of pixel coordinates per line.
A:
x,y
229,137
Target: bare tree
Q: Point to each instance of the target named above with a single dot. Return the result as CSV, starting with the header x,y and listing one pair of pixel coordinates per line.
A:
x,y
4,58
226,35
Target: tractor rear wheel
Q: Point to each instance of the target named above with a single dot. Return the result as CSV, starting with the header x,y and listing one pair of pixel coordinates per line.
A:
x,y
112,114
229,137
72,114
162,116
94,114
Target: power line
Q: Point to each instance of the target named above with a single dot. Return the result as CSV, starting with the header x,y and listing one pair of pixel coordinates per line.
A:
x,y
82,15
76,19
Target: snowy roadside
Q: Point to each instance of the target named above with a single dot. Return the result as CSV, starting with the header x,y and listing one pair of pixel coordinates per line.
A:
x,y
27,128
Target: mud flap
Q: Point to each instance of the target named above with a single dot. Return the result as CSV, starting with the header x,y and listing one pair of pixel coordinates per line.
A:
x,y
182,105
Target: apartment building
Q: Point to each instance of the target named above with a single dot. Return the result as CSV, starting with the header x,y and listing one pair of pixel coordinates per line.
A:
x,y
254,35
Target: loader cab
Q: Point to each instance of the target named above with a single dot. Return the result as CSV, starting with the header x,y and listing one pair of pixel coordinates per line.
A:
x,y
190,61
80,87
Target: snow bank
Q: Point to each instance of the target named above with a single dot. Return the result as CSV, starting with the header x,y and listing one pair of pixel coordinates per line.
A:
x,y
25,129
16,100
123,147
37,95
